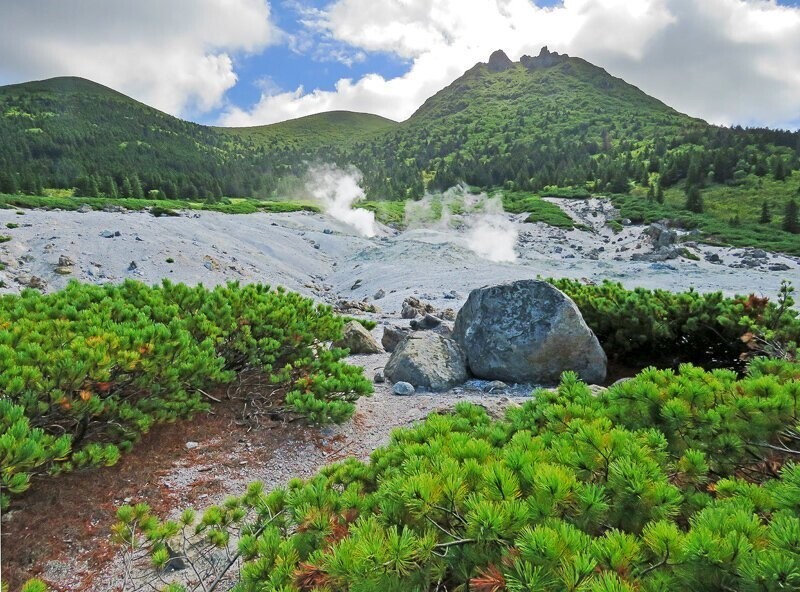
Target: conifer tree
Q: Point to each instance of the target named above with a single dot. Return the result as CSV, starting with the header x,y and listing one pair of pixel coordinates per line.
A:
x,y
790,218
136,188
126,190
651,194
766,216
694,201
109,187
779,169
8,183
660,194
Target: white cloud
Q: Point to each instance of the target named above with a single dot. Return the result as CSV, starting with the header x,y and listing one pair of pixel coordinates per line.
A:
x,y
177,55
729,61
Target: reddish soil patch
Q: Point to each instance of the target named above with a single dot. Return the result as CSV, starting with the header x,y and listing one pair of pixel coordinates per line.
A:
x,y
69,518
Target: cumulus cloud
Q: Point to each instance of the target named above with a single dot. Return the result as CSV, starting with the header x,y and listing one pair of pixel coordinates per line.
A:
x,y
728,61
176,55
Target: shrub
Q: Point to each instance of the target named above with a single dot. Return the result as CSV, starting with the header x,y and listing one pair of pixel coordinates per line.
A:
x,y
642,326
665,482
159,211
88,369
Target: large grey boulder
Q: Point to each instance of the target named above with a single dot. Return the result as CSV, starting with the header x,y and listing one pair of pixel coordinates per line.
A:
x,y
358,340
527,331
426,359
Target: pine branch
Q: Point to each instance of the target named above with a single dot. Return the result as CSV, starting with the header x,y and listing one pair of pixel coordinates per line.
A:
x,y
235,558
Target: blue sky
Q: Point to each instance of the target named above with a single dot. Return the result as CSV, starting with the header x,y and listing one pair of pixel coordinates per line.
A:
x,y
252,62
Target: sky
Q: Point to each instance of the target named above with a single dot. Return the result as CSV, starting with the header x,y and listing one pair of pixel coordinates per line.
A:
x,y
253,62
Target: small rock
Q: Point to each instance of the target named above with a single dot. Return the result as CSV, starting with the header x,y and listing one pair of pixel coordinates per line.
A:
x,y
358,340
448,314
428,360
191,445
392,336
356,285
208,265
427,322
63,270
402,389
132,266
84,209
495,386
758,254
64,261
713,258
379,378
327,231
408,311
379,294
779,267
316,246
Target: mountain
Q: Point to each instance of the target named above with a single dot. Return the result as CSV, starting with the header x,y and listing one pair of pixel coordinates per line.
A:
x,y
548,120
59,132
542,121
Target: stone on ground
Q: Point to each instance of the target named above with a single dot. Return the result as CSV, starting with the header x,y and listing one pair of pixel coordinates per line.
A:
x,y
358,340
392,336
403,388
428,360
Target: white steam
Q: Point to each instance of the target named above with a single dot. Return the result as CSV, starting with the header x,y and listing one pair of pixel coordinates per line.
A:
x,y
491,234
477,221
337,191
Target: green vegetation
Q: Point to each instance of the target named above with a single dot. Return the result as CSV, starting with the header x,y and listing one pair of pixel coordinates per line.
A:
x,y
732,214
88,369
551,126
669,481
161,206
643,327
519,202
392,213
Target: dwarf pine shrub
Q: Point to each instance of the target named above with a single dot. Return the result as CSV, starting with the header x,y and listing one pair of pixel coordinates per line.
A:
x,y
85,371
674,480
644,326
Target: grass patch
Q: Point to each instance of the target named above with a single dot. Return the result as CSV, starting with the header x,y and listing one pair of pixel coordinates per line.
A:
x,y
65,202
731,213
539,210
392,213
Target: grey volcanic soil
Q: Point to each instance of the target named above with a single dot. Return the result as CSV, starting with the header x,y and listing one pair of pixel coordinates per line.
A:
x,y
213,248
325,259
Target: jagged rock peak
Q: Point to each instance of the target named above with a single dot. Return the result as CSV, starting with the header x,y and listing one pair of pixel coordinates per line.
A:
x,y
499,61
545,59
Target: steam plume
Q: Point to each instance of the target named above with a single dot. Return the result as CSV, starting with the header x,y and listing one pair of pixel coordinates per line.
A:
x,y
477,221
337,191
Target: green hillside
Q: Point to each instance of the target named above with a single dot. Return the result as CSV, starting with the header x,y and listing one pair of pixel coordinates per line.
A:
x,y
545,122
71,132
